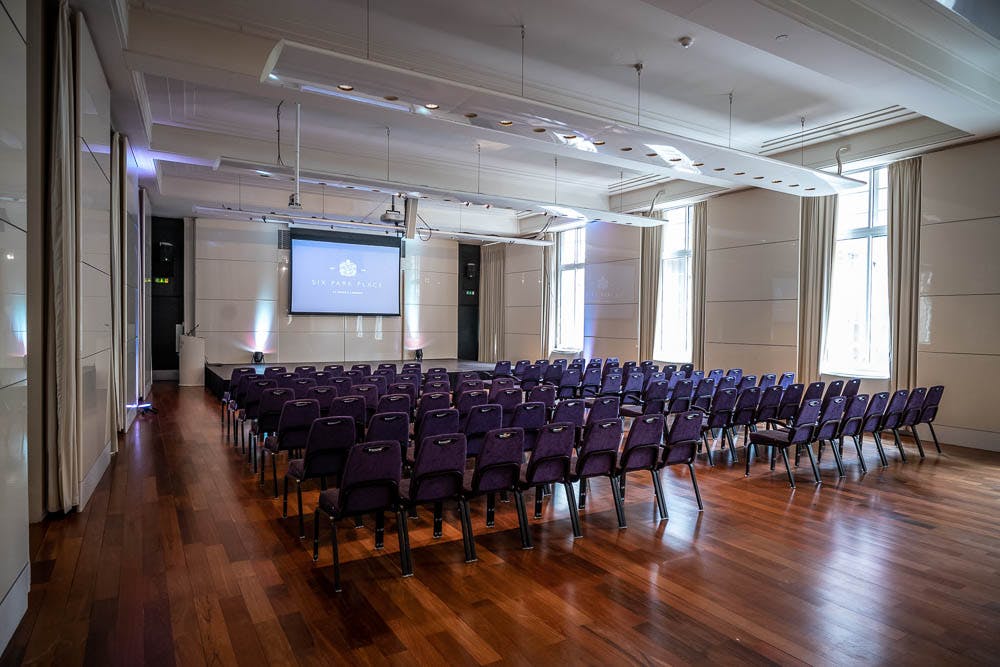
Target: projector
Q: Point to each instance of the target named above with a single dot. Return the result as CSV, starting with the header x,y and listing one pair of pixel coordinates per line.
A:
x,y
392,216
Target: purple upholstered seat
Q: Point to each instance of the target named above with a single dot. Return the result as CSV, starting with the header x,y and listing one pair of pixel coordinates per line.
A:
x,y
719,417
507,399
480,421
550,464
329,440
805,421
296,419
642,452
394,403
435,400
498,469
928,413
324,396
353,407
569,383
302,385
543,393
530,417
389,426
681,444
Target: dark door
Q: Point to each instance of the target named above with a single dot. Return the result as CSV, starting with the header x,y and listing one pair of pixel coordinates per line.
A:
x,y
468,302
167,293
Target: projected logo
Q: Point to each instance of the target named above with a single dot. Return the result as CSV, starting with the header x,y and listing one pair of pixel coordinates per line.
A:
x,y
348,269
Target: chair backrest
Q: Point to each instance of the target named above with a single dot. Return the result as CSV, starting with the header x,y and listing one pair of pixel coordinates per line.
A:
x,y
336,370
364,369
727,382
767,380
389,426
370,480
543,393
591,381
350,406
680,397
438,468
412,367
746,382
854,415
851,387
467,385
571,410
737,373
468,375
296,419
770,401
790,401
655,398
369,392
654,376
242,385
894,411
237,373
507,399
324,396
531,376
642,445
914,404
329,440
549,462
413,379
355,375
598,453
632,387
697,376
553,374
404,388
629,366
703,394
255,388
322,377
387,367
564,363
786,380
681,440
302,386
519,367
746,406
436,400
481,420
470,399
876,408
304,370
381,382
273,371
501,369
434,386
271,403
931,403
503,383
611,385
716,375
723,403
438,422
605,407
530,417
438,370
569,382
498,466
673,378
806,422
286,379
393,403
830,418
343,385
814,390
833,389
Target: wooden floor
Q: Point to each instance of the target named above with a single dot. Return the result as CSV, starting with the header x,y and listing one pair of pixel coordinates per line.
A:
x,y
180,558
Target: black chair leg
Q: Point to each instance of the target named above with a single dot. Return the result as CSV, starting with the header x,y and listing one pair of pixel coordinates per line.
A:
x,y
619,506
880,448
284,500
916,439
934,435
708,450
538,502
274,472
748,453
262,454
661,501
491,506
379,530
336,555
468,538
732,445
316,535
403,534
438,519
837,458
861,458
812,462
583,494
697,491
302,519
522,520
899,444
574,515
621,487
788,468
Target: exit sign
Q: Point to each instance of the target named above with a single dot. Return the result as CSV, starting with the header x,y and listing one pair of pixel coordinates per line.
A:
x,y
161,281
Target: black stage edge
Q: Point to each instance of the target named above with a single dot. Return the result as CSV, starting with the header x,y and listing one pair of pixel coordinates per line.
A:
x,y
217,375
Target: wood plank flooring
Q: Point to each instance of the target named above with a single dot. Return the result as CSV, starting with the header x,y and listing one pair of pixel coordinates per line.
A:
x,y
181,559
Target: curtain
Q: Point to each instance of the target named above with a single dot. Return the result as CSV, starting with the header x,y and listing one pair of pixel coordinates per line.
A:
x,y
550,258
61,332
904,271
116,385
699,261
817,236
491,300
649,288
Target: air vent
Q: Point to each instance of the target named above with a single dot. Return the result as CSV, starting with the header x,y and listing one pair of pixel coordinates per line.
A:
x,y
284,239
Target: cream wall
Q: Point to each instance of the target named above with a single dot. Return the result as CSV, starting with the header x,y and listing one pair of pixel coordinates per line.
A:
x,y
959,326
751,291
523,302
241,303
611,292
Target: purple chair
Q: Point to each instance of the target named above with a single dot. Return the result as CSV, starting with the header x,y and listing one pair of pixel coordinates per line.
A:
x,y
389,426
702,399
324,396
800,434
322,377
390,367
329,440
550,464
737,374
611,385
530,417
296,419
274,371
303,371
353,407
369,484
929,411
380,382
356,376
437,386
468,375
715,375
437,377
814,391
364,369
343,385
434,423
437,477
607,407
543,393
406,389
236,404
696,377
591,383
369,393
480,421
654,401
432,401
468,400
653,376
850,425
727,382
767,380
302,385
519,367
719,417
851,388
835,388
503,383
227,395
251,402
394,403
767,409
467,386
786,380
745,413
438,370
336,370
679,447
508,400
498,469
412,379
746,382
790,401
830,418
412,367
911,413
597,456
272,402
642,452
501,370
286,380
891,419
632,388
871,421
572,410
553,375
569,383
531,377
680,397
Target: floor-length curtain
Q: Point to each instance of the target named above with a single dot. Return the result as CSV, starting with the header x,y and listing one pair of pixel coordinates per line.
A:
x,y
116,386
904,270
699,261
550,254
61,399
651,248
817,236
491,279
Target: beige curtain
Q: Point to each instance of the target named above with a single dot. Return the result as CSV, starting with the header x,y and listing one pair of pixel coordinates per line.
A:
x,y
649,288
116,385
491,299
550,259
904,271
817,236
61,400
699,261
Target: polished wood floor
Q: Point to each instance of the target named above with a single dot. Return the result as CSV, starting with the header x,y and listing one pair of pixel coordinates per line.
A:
x,y
180,558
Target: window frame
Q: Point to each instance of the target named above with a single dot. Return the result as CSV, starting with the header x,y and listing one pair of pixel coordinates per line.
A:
x,y
561,345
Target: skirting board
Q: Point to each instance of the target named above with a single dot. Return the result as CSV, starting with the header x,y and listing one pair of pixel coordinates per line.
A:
x,y
93,477
963,437
14,605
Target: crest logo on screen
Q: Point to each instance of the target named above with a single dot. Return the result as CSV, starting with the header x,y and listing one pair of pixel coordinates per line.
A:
x,y
348,269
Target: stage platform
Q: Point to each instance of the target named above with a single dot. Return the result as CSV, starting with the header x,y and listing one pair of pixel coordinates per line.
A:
x,y
217,375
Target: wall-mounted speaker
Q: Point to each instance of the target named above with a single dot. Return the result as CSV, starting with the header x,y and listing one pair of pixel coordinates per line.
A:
x,y
471,270
410,217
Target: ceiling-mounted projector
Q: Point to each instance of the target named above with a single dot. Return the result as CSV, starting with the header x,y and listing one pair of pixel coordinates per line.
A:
x,y
391,215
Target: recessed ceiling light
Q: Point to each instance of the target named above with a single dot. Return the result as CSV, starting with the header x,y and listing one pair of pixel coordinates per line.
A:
x,y
569,136
346,87
651,154
757,178
698,164
626,148
777,180
738,173
506,123
391,98
676,159
719,169
431,105
471,115
538,129
793,185
810,188
780,38
350,187
599,142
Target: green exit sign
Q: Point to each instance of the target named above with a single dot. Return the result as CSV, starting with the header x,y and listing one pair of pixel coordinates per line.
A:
x,y
161,281
470,292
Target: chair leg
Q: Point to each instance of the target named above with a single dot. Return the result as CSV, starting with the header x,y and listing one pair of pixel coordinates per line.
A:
x,y
403,534
661,502
880,448
491,506
837,457
522,520
812,462
438,519
316,535
899,444
274,472
302,519
697,491
708,450
336,555
379,530
621,487
934,435
538,502
788,468
732,445
861,458
468,538
574,515
916,439
263,453
583,494
284,499
619,506
748,454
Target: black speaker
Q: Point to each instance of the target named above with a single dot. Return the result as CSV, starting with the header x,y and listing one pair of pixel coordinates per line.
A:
x,y
163,267
471,270
258,357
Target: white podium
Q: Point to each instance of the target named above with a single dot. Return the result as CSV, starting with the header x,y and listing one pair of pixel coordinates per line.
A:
x,y
192,362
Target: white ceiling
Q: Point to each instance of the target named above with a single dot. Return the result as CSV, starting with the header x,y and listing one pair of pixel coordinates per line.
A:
x,y
847,67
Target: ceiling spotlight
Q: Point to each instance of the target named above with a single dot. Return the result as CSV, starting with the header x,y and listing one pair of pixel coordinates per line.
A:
x,y
676,159
506,123
793,185
651,154
346,87
810,188
538,129
777,180
781,38
471,115
626,148
599,142
757,178
431,105
391,98
738,173
569,137
697,164
719,169
686,41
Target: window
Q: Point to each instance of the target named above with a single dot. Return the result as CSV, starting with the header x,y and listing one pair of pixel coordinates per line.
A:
x,y
857,332
569,324
672,341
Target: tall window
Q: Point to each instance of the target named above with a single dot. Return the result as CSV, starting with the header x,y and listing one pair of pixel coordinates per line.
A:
x,y
857,333
673,326
572,255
